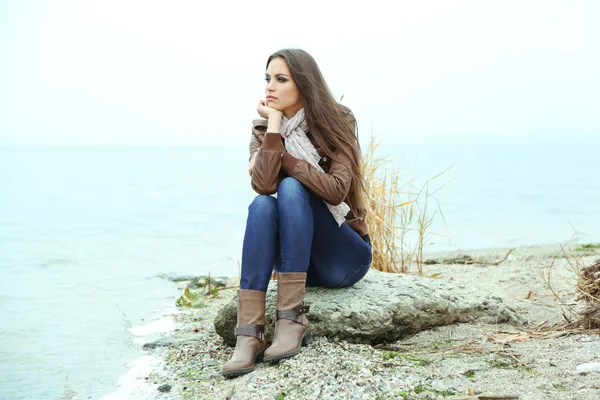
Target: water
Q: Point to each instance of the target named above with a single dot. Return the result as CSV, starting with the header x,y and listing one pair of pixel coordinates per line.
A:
x,y
503,196
85,234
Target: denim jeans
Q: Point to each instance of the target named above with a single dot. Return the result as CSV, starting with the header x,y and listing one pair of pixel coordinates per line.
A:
x,y
296,232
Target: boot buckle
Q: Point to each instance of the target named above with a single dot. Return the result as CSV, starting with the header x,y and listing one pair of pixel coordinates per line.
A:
x,y
257,331
292,313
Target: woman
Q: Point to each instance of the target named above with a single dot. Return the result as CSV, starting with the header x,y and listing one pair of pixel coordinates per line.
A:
x,y
314,233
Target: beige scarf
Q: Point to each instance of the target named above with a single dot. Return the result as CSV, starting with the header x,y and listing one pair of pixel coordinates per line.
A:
x,y
299,145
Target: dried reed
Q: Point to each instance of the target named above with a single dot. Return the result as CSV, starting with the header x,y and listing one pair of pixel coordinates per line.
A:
x,y
587,287
399,214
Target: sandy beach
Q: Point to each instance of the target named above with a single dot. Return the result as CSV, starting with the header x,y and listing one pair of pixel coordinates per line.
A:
x,y
450,362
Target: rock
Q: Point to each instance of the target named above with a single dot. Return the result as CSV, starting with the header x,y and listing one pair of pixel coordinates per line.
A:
x,y
195,282
589,367
176,278
165,387
202,281
174,341
382,307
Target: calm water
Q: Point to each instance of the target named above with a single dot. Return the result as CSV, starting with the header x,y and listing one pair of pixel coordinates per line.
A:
x,y
85,235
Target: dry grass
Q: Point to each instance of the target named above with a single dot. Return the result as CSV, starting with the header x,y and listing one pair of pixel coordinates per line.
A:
x,y
587,285
588,282
400,214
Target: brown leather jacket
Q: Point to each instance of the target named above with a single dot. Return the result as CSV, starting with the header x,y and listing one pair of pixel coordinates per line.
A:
x,y
273,163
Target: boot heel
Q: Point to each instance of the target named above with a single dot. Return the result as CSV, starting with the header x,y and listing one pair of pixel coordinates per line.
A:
x,y
307,338
259,357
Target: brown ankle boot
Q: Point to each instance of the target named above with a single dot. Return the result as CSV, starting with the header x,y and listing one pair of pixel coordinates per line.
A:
x,y
250,333
291,326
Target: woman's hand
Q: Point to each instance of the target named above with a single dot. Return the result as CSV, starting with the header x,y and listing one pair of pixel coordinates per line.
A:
x,y
267,112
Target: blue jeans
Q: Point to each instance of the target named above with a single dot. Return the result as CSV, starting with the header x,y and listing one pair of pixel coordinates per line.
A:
x,y
296,232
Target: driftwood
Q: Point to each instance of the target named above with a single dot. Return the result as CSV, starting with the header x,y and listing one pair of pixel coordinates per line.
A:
x,y
465,259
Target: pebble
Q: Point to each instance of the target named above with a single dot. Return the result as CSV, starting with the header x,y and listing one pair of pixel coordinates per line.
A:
x,y
165,387
589,367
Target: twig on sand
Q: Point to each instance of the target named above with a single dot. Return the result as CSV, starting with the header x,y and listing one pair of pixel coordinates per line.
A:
x,y
385,346
341,345
539,326
546,331
501,261
466,259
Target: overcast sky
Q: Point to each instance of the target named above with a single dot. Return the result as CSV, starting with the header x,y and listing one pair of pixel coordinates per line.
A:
x,y
178,73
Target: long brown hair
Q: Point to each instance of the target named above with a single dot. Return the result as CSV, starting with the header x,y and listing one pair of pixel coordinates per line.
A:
x,y
328,121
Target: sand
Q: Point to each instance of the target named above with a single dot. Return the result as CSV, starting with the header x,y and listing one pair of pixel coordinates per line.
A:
x,y
529,362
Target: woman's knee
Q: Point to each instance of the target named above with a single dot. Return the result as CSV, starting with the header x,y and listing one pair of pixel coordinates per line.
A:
x,y
291,188
355,276
264,205
334,277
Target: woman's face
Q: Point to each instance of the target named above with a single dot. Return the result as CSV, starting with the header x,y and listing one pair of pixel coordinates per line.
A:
x,y
281,91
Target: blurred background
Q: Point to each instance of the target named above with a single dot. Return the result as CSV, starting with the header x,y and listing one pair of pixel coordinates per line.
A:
x,y
124,128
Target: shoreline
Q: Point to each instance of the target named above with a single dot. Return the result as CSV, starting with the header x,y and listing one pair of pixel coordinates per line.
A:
x,y
439,363
546,249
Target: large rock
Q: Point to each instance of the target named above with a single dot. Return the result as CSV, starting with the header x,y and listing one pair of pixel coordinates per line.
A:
x,y
383,307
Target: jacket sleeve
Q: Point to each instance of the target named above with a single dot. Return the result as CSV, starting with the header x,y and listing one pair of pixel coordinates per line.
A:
x,y
255,143
333,186
266,173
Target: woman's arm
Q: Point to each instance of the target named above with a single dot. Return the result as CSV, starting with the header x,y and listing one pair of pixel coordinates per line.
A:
x,y
332,187
266,171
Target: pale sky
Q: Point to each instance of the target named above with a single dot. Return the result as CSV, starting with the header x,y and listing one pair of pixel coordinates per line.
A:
x,y
189,73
